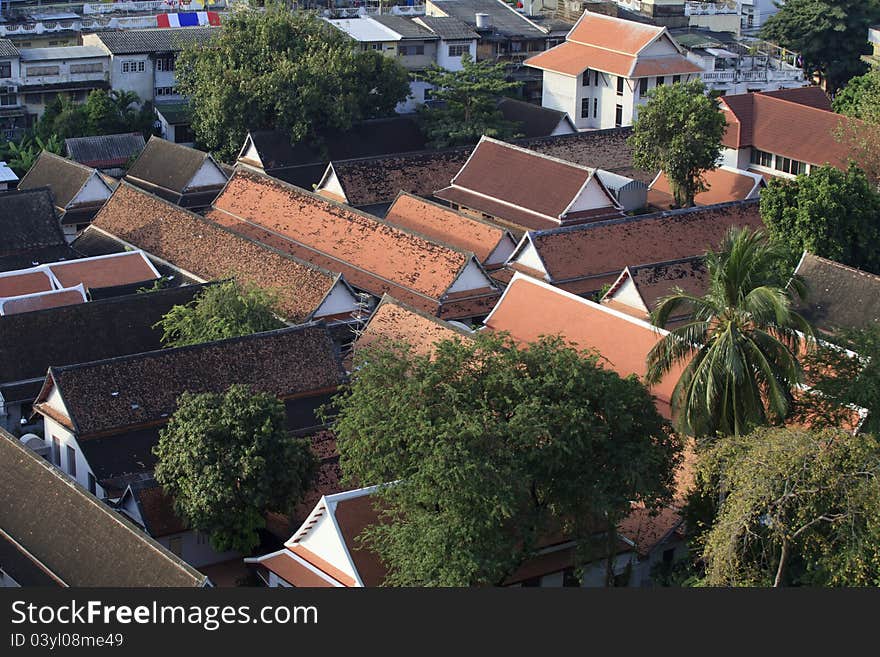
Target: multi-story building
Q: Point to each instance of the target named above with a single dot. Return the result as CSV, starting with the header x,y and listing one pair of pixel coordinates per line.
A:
x,y
606,67
874,39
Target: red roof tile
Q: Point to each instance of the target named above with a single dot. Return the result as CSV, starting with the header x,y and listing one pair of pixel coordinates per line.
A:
x,y
613,33
41,301
105,271
26,282
570,58
292,571
724,185
670,65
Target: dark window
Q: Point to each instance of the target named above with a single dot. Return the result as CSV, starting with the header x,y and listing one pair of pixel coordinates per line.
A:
x,y
5,69
411,50
458,49
595,107
596,78
71,461
676,79
569,578
585,81
8,99
668,556
585,108
643,86
619,85
790,166
56,451
165,63
618,116
661,81
762,158
93,489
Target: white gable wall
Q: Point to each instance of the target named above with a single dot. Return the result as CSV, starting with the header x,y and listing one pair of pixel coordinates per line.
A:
x,y
502,252
528,257
471,278
559,92
94,190
324,540
52,429
339,300
628,294
208,175
331,184
592,196
660,48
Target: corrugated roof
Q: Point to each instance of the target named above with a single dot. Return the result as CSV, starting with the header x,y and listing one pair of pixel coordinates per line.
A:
x,y
105,151
65,52
405,27
126,42
364,29
8,49
503,18
447,27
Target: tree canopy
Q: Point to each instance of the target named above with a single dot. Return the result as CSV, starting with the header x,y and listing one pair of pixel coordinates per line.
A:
x,y
798,507
465,103
739,346
224,310
282,70
679,130
830,213
493,448
860,99
226,459
830,35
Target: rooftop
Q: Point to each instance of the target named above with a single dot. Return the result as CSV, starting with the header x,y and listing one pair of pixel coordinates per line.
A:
x,y
65,52
110,551
105,151
209,252
533,120
128,42
107,396
447,27
66,178
655,281
724,184
28,222
502,17
168,167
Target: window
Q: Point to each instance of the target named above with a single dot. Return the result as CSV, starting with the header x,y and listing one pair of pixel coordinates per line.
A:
x,y
790,166
676,79
535,46
595,78
458,49
5,69
93,488
87,68
761,158
586,79
8,99
71,461
668,556
166,91
42,70
660,80
618,116
165,63
515,46
619,85
585,108
643,86
56,451
405,51
132,66
175,545
33,99
183,134
595,107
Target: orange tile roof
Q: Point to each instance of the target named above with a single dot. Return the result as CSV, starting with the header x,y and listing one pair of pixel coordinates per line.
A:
x,y
322,565
445,225
210,252
785,127
293,572
41,301
613,33
570,58
669,65
530,309
342,233
109,271
26,282
394,322
723,185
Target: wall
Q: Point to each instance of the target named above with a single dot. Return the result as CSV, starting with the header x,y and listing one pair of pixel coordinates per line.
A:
x,y
416,98
140,82
628,294
559,93
339,301
53,429
454,63
208,175
323,539
472,278
529,257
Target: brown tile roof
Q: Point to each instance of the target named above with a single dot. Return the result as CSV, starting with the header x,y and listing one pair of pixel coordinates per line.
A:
x,y
647,529
353,516
516,219
444,225
211,252
109,395
724,185
570,58
64,177
784,127
838,297
373,255
594,253
294,572
166,165
105,271
613,33
77,537
41,301
157,510
530,309
658,280
26,282
670,65
811,96
392,321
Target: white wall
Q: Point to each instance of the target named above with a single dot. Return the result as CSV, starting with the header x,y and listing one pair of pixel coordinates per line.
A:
x,y
529,257
502,252
332,185
208,175
472,278
559,93
454,63
628,295
94,190
338,302
323,539
592,196
415,99
53,429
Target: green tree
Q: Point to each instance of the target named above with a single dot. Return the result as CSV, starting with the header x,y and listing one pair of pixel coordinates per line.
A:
x,y
494,447
830,35
466,106
679,130
798,507
830,213
860,99
292,72
739,348
227,459
225,310
20,156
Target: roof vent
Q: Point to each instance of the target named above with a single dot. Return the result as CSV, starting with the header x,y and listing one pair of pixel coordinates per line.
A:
x,y
484,22
114,393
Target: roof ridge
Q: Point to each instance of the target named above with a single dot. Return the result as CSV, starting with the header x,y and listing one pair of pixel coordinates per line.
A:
x,y
440,206
144,355
849,268
394,301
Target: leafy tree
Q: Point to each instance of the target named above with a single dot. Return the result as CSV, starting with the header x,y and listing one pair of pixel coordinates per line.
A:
x,y
829,34
844,380
225,310
860,99
467,103
679,130
288,71
798,507
493,447
20,156
740,345
830,213
226,459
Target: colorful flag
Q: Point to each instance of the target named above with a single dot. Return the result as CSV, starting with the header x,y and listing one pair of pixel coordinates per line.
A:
x,y
188,19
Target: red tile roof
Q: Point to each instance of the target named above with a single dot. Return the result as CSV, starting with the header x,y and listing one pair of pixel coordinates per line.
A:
x,y
372,254
447,226
811,96
572,58
530,309
286,565
724,185
24,282
613,33
791,129
105,271
41,301
669,65
210,252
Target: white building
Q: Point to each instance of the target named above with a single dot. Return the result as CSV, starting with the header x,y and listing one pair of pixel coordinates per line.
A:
x,y
606,67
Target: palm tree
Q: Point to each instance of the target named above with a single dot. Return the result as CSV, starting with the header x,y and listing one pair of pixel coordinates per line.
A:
x,y
740,344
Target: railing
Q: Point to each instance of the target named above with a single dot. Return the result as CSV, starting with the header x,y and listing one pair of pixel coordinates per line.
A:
x,y
711,8
719,76
396,10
